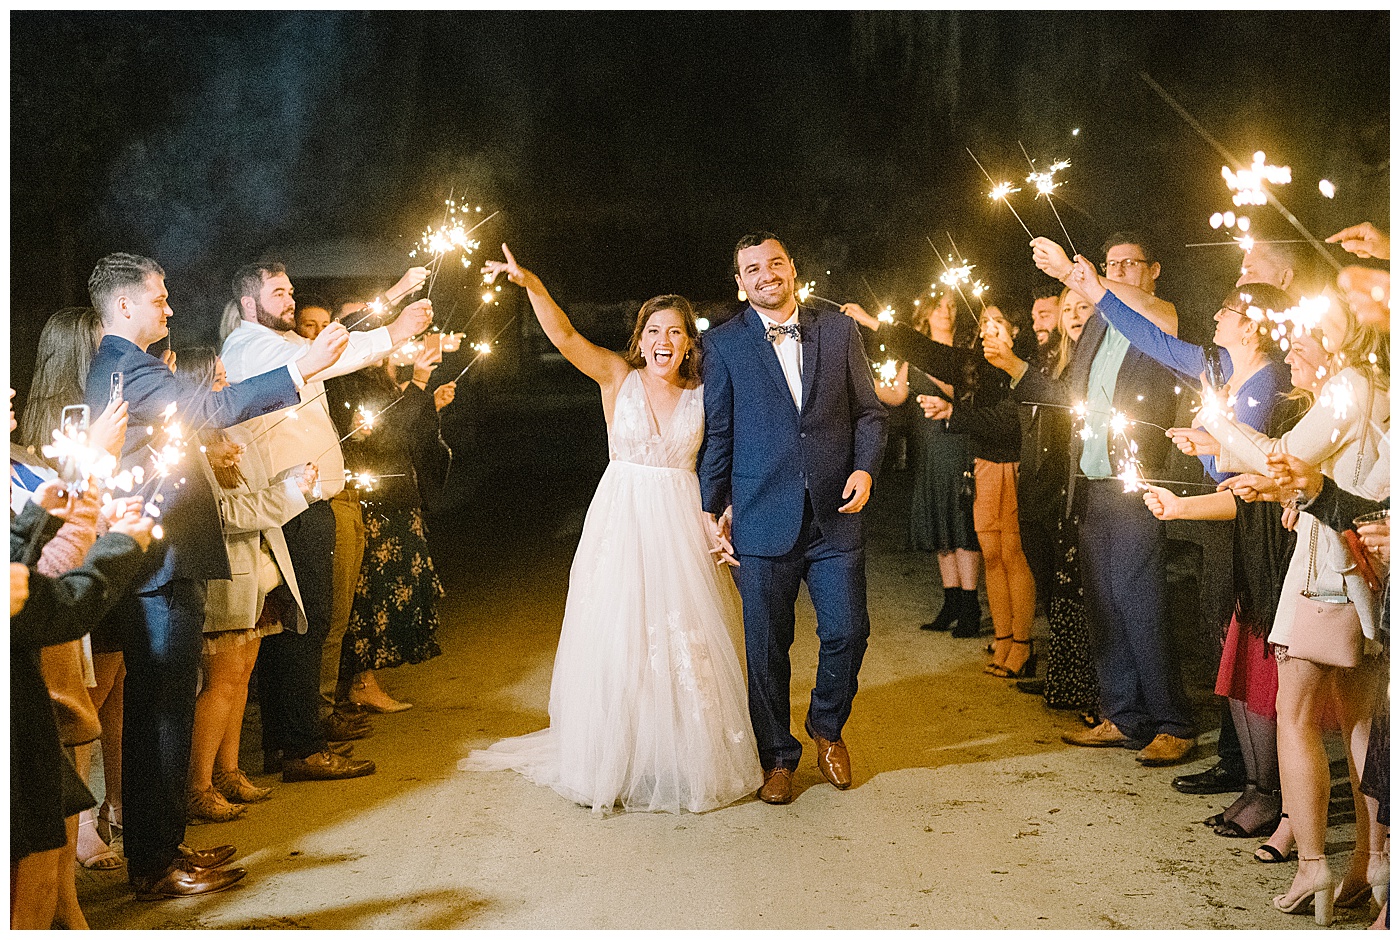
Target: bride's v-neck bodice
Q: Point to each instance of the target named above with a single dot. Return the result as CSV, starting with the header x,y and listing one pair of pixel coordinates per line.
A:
x,y
636,437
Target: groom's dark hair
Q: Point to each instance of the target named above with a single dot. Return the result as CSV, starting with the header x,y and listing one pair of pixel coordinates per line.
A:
x,y
757,238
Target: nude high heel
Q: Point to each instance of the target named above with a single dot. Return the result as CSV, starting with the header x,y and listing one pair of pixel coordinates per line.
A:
x,y
1320,893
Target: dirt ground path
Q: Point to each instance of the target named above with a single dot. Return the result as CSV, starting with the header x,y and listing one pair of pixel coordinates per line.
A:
x,y
967,810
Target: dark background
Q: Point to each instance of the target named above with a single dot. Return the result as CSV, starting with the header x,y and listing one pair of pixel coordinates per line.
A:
x,y
628,151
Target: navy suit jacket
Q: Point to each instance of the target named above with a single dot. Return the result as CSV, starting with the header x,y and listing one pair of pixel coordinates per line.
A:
x,y
193,546
1144,391
762,455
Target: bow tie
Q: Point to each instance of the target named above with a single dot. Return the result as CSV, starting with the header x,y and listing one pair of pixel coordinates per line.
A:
x,y
777,330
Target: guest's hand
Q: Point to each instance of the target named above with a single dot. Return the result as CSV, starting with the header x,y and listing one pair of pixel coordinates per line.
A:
x,y
416,318
223,454
719,537
1376,537
1051,258
444,395
857,313
512,269
306,481
427,360
19,587
1084,280
1368,292
325,350
1252,488
936,407
138,529
1163,503
54,498
1294,475
108,432
120,507
1290,517
1194,442
1363,240
168,357
857,492
412,279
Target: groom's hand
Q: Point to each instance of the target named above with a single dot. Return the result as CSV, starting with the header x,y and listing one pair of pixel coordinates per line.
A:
x,y
719,537
857,491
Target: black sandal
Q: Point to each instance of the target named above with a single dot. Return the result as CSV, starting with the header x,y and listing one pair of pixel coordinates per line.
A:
x,y
1273,856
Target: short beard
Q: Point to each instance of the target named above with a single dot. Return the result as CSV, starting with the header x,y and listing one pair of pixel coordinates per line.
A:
x,y
266,318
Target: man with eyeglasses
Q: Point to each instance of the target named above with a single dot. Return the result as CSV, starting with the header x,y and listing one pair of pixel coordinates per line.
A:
x,y
1143,703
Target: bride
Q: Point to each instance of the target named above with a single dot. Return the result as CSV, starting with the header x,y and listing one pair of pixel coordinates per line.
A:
x,y
647,705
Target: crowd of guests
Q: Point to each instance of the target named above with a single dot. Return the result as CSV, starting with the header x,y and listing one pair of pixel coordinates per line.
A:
x,y
1045,449
205,524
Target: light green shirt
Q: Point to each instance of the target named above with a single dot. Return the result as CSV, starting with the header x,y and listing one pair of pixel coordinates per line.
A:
x,y
1103,379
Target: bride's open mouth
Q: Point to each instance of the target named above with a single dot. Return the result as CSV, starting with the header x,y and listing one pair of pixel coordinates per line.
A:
x,y
662,357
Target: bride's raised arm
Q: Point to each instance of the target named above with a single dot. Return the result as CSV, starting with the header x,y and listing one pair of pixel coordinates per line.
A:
x,y
603,366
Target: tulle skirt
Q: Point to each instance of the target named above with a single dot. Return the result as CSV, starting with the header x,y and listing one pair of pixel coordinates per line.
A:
x,y
647,707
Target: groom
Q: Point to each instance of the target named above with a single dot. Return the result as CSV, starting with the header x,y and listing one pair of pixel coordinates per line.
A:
x,y
793,436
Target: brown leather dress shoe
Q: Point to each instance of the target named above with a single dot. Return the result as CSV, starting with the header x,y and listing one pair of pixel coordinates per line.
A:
x,y
777,786
1166,750
1103,734
833,760
184,880
325,765
207,858
346,726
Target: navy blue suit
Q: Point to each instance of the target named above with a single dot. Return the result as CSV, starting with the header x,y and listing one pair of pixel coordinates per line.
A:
x,y
783,470
1122,545
162,623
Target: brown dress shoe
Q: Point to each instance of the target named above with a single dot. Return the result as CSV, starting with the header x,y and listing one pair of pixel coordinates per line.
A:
x,y
1166,750
325,765
777,786
1103,734
833,760
207,858
184,880
346,726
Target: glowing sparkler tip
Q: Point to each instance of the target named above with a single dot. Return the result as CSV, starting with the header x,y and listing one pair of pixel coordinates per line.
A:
x,y
1002,191
1327,188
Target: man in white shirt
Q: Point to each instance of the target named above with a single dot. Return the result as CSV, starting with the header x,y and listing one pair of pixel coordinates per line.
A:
x,y
290,667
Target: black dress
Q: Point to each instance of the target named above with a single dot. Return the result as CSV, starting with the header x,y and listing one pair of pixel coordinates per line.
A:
x,y
940,517
393,618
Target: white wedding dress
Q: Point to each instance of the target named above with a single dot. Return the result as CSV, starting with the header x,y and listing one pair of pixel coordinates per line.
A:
x,y
647,707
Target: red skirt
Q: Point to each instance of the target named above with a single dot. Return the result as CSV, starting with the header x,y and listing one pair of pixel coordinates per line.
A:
x,y
1248,672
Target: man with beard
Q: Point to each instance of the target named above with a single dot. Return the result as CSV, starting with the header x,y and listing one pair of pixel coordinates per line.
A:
x,y
794,434
294,670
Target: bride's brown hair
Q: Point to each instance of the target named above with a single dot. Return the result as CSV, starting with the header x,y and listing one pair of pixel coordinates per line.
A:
x,y
690,365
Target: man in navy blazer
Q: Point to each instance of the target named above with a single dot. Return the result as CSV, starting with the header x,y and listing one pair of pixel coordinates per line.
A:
x,y
1122,546
162,623
794,434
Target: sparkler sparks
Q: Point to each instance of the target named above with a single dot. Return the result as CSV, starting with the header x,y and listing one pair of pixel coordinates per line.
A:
x,y
887,371
1248,185
1000,191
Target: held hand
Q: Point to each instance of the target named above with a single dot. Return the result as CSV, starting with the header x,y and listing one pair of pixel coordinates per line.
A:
x,y
857,313
223,454
510,267
325,350
719,537
935,407
1163,503
1289,519
999,354
168,357
1293,475
19,587
1193,442
138,529
1084,280
1364,241
1050,258
444,395
306,482
108,432
118,508
1376,537
54,498
1252,488
415,319
857,492
412,279
428,359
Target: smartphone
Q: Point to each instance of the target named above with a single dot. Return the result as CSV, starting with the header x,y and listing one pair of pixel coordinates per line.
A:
x,y
1215,372
118,385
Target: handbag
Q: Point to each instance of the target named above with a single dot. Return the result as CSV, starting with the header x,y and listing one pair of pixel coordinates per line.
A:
x,y
1327,627
73,711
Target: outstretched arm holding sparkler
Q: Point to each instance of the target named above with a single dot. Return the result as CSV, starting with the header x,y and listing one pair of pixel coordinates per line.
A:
x,y
1051,258
601,365
1363,240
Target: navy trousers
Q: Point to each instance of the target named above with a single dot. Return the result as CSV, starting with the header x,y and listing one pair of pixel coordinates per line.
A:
x,y
289,663
768,587
162,636
1121,546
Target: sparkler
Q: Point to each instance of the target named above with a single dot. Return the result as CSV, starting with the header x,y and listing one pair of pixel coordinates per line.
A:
x,y
1000,191
1220,149
452,235
887,371
953,277
1045,185
978,288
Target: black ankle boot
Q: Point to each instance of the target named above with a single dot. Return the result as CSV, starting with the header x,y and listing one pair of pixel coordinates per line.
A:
x,y
970,617
952,604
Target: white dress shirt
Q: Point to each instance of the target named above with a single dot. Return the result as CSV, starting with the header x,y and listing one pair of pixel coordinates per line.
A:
x,y
307,434
789,353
